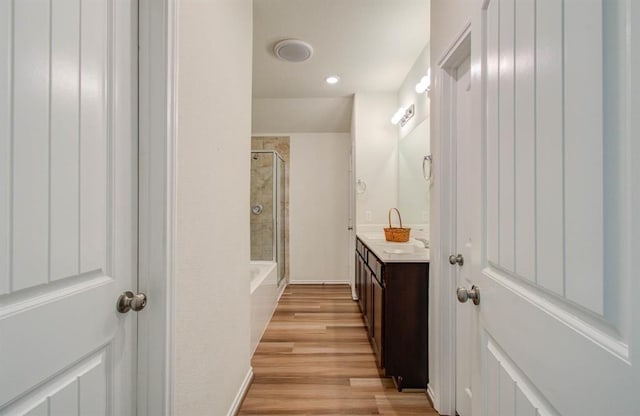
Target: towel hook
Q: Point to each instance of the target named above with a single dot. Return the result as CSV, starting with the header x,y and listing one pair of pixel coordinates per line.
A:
x,y
428,176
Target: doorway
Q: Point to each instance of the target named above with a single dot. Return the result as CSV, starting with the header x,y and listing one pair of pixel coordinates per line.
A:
x,y
456,154
462,242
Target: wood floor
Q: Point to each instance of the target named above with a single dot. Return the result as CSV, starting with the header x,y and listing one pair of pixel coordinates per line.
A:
x,y
315,359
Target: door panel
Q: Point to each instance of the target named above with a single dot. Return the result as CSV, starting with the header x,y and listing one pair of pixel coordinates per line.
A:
x,y
65,150
554,320
68,215
515,395
548,137
524,105
5,144
506,145
575,200
30,163
79,391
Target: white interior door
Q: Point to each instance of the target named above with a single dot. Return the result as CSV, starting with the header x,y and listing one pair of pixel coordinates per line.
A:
x,y
463,241
558,329
68,216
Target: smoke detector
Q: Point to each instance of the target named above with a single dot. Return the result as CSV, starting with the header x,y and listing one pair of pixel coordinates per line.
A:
x,y
293,50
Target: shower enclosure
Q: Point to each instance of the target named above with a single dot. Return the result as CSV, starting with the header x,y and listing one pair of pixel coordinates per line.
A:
x,y
267,209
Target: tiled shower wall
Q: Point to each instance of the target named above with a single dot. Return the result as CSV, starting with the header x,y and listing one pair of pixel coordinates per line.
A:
x,y
262,192
262,176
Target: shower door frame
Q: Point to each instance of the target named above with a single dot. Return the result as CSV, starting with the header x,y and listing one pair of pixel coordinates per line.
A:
x,y
276,173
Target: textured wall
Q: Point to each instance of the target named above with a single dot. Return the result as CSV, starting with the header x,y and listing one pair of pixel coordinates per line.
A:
x,y
211,300
320,207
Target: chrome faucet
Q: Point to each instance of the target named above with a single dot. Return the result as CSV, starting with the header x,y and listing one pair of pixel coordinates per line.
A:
x,y
423,241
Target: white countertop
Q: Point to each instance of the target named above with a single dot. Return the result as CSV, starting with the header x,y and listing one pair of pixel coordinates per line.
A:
x,y
412,251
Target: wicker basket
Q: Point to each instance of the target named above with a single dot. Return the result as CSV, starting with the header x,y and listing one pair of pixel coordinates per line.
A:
x,y
397,235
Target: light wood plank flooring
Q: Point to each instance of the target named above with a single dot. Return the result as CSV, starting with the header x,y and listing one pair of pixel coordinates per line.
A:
x,y
315,359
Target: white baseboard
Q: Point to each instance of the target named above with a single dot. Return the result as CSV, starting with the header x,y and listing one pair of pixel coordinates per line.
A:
x,y
432,397
244,388
280,292
318,282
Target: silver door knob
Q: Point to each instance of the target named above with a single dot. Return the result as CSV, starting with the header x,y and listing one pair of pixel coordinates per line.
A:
x,y
453,259
466,294
129,301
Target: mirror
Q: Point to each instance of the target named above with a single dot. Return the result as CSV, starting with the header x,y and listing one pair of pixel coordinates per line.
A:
x,y
413,188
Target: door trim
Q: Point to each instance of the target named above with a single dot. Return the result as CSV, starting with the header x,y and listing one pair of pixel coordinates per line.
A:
x,y
444,285
157,76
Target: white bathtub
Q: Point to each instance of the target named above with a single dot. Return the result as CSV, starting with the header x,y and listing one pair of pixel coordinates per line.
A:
x,y
264,297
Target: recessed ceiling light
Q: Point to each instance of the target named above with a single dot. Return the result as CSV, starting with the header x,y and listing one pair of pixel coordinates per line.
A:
x,y
333,79
293,50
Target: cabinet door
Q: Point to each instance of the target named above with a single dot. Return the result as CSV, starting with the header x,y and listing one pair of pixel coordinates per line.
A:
x,y
360,279
406,294
368,303
378,320
357,276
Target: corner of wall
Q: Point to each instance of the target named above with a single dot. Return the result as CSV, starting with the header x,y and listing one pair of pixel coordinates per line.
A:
x,y
213,130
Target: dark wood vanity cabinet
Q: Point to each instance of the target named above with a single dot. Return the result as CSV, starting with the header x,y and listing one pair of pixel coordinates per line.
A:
x,y
393,299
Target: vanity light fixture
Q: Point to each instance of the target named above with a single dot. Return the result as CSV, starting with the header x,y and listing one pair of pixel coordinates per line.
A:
x,y
332,79
403,115
425,83
397,116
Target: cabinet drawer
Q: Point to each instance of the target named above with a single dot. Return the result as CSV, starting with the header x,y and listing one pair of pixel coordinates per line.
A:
x,y
360,249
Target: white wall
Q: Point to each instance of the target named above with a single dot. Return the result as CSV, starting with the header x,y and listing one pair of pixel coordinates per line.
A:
x,y
302,115
211,309
376,141
319,207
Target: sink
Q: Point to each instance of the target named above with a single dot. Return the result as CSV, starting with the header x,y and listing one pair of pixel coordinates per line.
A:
x,y
374,237
404,250
378,243
409,247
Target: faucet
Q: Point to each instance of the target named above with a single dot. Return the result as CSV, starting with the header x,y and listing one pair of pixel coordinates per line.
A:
x,y
423,241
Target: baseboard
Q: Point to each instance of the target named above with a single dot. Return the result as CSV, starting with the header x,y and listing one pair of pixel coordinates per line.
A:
x,y
431,396
244,388
318,282
280,292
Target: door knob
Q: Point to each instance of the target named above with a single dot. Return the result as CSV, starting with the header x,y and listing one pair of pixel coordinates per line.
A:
x,y
453,259
466,294
130,301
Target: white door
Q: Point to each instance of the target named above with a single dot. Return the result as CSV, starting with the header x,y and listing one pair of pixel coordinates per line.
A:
x,y
558,329
68,215
463,242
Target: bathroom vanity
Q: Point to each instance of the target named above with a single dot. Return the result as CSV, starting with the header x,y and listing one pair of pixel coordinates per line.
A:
x,y
392,285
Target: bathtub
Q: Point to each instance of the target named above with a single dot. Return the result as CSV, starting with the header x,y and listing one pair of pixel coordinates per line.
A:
x,y
264,297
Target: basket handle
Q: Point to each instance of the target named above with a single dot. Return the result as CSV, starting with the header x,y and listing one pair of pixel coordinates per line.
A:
x,y
399,217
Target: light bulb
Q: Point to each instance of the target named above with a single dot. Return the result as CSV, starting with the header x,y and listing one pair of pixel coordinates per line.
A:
x,y
332,79
397,116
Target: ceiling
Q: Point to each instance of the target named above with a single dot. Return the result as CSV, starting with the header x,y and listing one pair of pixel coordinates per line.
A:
x,y
370,44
